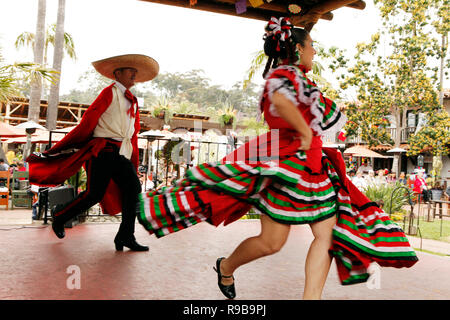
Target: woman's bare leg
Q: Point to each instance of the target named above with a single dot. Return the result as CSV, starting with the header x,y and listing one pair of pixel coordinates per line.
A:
x,y
271,239
318,260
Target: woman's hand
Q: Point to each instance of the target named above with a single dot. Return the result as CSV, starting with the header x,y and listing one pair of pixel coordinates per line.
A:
x,y
290,113
305,141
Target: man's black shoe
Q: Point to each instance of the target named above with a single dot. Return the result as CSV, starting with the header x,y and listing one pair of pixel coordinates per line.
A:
x,y
58,228
130,244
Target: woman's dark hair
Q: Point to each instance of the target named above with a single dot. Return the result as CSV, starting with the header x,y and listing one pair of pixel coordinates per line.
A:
x,y
287,48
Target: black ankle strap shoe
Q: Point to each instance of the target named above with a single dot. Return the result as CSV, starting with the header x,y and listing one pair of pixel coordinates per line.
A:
x,y
228,291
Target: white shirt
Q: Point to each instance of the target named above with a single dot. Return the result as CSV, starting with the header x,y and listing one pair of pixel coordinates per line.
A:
x,y
115,123
360,182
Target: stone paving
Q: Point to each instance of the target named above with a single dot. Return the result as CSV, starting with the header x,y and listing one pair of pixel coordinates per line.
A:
x,y
34,264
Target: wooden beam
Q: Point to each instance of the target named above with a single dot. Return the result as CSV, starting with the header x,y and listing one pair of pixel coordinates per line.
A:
x,y
360,5
316,12
226,8
327,16
263,12
330,6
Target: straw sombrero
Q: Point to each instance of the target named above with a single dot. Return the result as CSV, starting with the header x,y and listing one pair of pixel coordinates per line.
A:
x,y
147,67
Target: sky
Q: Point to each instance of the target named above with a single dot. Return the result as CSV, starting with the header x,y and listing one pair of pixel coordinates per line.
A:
x,y
179,39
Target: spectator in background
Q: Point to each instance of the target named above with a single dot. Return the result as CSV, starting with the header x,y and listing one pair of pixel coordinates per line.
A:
x,y
410,180
402,178
34,192
391,178
421,187
351,174
370,178
21,167
359,181
447,193
3,166
380,179
365,167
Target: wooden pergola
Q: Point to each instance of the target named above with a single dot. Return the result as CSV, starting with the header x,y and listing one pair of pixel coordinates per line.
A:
x,y
311,10
69,114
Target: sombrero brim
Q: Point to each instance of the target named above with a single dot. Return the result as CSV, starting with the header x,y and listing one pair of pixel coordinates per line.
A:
x,y
146,66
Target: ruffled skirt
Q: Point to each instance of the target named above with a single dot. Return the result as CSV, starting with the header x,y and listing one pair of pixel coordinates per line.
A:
x,y
289,192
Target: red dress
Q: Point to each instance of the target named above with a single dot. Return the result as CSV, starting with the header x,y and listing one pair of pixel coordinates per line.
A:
x,y
290,186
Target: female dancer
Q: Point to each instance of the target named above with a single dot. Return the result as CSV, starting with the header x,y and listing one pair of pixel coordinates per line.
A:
x,y
287,176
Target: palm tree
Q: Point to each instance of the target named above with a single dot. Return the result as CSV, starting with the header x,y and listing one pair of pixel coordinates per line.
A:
x,y
26,39
59,44
36,85
12,75
260,59
62,43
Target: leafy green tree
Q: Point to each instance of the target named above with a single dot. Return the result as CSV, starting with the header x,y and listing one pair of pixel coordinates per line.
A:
x,y
400,81
195,88
90,84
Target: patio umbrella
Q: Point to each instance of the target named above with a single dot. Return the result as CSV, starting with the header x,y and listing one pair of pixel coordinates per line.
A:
x,y
396,164
394,150
153,133
30,128
9,131
40,136
30,125
360,151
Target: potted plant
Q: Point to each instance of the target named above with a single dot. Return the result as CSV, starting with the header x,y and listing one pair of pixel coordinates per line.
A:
x,y
227,114
159,112
162,109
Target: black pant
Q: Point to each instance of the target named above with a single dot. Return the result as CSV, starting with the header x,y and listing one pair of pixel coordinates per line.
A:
x,y
100,170
426,195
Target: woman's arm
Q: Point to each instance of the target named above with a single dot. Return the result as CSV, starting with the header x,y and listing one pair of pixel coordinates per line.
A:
x,y
289,112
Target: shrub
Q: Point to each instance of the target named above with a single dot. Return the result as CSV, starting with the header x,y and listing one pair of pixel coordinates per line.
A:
x,y
384,192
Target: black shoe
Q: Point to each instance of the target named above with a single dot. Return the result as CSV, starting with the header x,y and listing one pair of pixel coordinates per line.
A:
x,y
130,244
58,228
229,290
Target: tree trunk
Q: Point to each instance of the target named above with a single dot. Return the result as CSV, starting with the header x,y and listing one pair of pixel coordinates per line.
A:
x,y
444,45
399,127
36,85
53,100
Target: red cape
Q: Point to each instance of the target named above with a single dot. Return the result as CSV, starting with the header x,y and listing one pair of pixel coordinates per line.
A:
x,y
65,158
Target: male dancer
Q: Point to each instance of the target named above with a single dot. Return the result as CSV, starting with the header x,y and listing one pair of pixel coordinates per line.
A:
x,y
105,142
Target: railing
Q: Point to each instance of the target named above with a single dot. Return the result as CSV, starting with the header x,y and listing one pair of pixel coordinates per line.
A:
x,y
404,135
165,173
411,229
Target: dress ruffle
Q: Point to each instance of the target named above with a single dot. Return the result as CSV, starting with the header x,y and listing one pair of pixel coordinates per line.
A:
x,y
294,85
290,193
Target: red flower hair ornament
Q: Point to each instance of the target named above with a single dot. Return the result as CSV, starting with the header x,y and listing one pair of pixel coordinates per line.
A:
x,y
279,29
